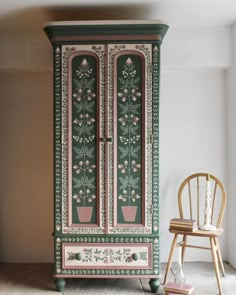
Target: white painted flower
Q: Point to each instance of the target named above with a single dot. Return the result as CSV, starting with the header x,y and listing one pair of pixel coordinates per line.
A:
x,y
129,61
84,63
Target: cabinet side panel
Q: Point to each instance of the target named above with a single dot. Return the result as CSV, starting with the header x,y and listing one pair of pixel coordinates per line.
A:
x,y
57,154
155,154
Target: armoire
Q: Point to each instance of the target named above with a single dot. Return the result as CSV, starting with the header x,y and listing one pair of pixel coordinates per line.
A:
x,y
106,149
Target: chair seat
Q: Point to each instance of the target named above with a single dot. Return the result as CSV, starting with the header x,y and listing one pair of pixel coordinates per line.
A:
x,y
199,233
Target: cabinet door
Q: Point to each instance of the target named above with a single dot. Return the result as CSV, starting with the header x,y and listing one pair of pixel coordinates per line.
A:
x,y
82,139
129,129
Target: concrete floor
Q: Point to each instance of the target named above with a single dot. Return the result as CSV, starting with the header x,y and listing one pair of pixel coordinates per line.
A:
x,y
23,279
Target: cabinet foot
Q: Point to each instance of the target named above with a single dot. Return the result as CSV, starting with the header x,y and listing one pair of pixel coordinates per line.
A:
x,y
154,285
60,284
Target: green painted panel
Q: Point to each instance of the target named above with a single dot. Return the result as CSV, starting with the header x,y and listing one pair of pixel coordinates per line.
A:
x,y
58,29
84,141
129,138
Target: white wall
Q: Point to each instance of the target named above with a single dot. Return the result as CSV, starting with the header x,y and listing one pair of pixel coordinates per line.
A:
x,y
192,132
231,151
196,48
192,139
192,118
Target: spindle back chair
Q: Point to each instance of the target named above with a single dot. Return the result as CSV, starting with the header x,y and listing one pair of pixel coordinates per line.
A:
x,y
191,203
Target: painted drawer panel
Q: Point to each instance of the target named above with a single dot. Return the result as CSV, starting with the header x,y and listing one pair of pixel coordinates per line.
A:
x,y
107,256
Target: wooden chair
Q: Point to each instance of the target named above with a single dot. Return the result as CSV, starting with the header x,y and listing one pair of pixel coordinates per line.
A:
x,y
191,198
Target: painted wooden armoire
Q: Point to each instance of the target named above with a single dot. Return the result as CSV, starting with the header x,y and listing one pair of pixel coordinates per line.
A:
x,y
106,145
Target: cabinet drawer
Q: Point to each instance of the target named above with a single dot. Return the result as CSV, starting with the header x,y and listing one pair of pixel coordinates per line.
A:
x,y
106,256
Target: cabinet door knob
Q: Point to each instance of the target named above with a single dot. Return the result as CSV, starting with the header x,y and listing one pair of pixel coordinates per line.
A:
x,y
102,139
110,139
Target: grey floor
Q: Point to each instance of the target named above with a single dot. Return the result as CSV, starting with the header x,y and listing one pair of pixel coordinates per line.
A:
x,y
21,279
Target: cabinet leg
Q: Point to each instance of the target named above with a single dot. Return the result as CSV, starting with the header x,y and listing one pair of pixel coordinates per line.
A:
x,y
60,284
154,285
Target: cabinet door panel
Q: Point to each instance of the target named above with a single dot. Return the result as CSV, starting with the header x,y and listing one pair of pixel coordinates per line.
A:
x,y
83,202
83,142
131,152
129,140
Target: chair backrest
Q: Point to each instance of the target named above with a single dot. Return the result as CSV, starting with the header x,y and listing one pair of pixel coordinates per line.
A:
x,y
191,198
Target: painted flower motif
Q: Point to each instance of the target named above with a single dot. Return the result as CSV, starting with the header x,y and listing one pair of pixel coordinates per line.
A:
x,y
78,199
70,49
84,139
135,166
124,167
84,120
126,119
133,196
132,139
84,166
123,95
129,61
90,95
155,49
135,94
84,70
83,195
84,63
134,119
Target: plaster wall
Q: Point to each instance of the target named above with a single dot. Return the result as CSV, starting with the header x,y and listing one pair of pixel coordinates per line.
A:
x,y
231,148
192,139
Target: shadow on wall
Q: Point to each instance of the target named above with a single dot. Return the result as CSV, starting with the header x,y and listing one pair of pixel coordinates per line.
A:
x,y
34,18
26,126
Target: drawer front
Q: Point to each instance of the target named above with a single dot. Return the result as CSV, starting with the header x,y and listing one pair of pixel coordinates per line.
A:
x,y
106,256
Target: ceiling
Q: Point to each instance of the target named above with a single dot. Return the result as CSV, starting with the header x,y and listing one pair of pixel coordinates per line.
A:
x,y
15,14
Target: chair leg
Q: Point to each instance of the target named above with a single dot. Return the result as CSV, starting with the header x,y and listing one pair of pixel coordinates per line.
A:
x,y
183,249
219,257
214,257
172,249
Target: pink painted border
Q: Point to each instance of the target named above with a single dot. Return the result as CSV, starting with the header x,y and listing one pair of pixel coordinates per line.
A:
x,y
70,224
131,245
107,37
117,55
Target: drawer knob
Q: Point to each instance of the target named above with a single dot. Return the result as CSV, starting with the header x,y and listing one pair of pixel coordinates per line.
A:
x,y
135,256
78,256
